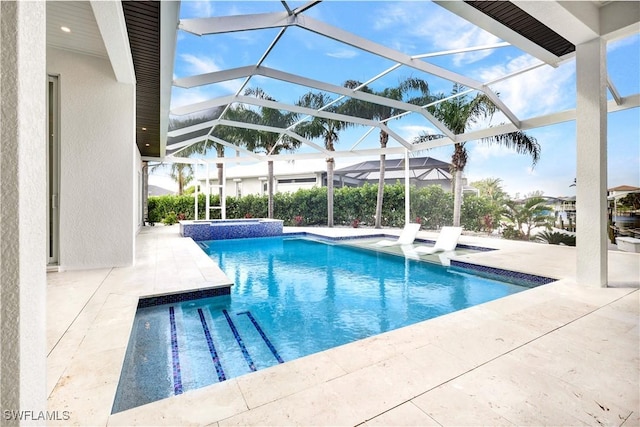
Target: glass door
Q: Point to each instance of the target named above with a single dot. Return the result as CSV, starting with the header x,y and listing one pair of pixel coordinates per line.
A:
x,y
53,171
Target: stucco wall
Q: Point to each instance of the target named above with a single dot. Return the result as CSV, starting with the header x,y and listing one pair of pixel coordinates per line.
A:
x,y
22,211
98,177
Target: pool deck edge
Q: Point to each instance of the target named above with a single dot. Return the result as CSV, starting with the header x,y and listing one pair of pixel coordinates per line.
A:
x,y
416,372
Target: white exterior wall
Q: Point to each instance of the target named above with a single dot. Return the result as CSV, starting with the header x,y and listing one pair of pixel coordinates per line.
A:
x,y
22,210
253,185
98,170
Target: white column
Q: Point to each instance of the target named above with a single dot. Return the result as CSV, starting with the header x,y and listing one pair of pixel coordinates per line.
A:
x,y
23,77
207,204
407,189
591,173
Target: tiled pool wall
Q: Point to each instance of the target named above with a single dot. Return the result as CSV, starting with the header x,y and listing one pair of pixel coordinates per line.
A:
x,y
230,229
515,277
184,296
378,236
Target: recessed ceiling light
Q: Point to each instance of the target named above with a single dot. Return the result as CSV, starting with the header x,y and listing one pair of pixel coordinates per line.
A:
x,y
146,145
144,128
65,29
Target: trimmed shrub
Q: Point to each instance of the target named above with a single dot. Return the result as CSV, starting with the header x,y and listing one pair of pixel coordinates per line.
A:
x,y
432,205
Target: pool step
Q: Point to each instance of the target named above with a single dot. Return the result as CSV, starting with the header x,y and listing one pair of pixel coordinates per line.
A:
x,y
210,345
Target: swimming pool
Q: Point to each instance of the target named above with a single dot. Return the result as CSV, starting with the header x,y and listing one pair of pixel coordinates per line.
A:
x,y
292,297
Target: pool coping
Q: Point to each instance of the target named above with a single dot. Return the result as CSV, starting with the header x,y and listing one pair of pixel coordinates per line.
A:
x,y
231,399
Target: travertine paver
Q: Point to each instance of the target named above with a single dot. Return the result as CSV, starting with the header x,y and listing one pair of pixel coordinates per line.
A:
x,y
559,354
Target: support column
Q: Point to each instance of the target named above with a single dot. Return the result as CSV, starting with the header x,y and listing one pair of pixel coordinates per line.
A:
x,y
591,173
23,77
407,189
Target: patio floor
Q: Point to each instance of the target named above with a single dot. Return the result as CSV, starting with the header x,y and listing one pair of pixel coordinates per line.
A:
x,y
558,354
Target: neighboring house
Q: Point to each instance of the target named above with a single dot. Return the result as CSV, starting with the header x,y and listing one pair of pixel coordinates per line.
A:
x,y
293,175
154,190
623,217
621,191
564,209
423,171
289,176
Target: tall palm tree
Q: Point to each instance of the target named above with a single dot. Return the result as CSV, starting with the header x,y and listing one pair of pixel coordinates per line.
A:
x,y
326,129
383,113
459,113
268,142
182,173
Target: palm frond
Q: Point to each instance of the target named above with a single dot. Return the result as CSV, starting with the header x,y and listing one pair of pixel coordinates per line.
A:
x,y
518,141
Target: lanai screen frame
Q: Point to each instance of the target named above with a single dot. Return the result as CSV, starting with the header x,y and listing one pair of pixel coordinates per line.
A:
x,y
296,17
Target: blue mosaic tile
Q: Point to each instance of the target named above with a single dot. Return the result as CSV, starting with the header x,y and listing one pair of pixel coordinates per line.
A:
x,y
184,296
523,279
177,376
266,340
379,236
236,334
230,229
212,348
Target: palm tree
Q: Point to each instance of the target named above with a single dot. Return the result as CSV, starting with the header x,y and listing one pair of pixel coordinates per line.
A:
x,y
383,113
532,213
491,188
182,173
459,113
268,142
328,130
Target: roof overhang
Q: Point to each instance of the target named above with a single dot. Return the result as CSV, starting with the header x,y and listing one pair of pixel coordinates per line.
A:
x,y
151,27
550,30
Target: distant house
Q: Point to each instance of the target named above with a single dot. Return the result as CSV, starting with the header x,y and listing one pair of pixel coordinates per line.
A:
x,y
621,191
423,171
293,175
155,190
564,209
252,179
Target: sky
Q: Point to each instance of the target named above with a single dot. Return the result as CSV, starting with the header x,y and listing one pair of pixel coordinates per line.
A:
x,y
420,28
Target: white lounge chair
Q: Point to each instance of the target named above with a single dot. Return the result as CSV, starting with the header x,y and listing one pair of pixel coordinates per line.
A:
x,y
408,235
447,241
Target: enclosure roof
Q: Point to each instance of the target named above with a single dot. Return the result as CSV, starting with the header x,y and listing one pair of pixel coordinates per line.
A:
x,y
544,33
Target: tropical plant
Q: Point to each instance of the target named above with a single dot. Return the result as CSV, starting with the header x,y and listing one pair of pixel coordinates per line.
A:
x,y
531,213
328,130
199,147
630,202
269,142
383,113
491,188
556,238
477,213
459,112
170,219
182,173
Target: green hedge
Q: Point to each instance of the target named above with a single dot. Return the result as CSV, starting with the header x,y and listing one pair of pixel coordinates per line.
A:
x,y
432,206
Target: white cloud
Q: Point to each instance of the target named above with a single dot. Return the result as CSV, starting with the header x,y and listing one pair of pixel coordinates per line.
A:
x,y
537,92
410,132
199,64
481,152
181,97
436,27
343,54
198,9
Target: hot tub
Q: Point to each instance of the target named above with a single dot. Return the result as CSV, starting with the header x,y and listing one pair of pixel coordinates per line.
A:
x,y
221,229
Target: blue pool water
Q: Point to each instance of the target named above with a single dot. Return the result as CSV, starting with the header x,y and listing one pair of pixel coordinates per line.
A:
x,y
292,297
